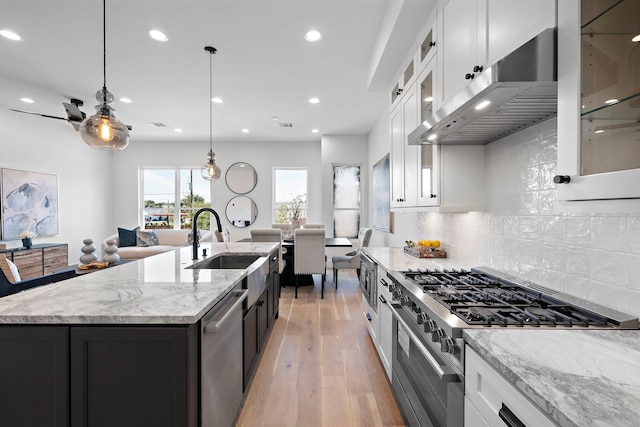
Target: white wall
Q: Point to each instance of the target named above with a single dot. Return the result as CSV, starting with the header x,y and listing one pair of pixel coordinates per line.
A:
x,y
44,145
262,156
592,256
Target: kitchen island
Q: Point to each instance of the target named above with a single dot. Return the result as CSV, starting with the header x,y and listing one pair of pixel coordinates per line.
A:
x,y
114,347
579,378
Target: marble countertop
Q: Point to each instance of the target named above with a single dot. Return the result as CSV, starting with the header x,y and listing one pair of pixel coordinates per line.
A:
x,y
578,378
396,259
154,290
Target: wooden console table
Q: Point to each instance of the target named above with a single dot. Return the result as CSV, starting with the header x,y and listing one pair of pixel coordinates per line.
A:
x,y
39,259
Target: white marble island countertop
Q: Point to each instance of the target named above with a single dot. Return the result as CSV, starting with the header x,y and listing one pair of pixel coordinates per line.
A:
x,y
396,259
154,290
578,378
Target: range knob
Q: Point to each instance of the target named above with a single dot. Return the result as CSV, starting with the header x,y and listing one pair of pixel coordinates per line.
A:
x,y
448,345
421,318
404,300
430,325
437,334
397,294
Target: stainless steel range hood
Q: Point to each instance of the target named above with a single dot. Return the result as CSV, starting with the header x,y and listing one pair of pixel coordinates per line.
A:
x,y
522,90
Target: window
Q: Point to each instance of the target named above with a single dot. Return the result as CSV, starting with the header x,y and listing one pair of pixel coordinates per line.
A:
x,y
172,196
346,201
290,195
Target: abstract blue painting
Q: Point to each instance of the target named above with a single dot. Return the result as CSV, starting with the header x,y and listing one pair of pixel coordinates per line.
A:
x,y
29,203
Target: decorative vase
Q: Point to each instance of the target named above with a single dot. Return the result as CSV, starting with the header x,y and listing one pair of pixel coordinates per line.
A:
x,y
111,251
88,252
295,223
27,243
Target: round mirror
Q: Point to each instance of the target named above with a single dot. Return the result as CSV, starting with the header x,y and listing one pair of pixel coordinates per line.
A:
x,y
241,211
241,178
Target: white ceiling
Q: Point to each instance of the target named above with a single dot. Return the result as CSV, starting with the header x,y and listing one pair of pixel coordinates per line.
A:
x,y
264,67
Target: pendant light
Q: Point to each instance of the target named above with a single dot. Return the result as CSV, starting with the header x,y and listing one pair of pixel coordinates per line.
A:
x,y
211,170
103,130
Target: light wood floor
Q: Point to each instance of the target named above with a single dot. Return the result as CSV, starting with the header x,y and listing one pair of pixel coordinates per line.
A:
x,y
320,367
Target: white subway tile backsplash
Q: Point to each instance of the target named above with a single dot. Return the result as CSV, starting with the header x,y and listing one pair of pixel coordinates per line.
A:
x,y
591,256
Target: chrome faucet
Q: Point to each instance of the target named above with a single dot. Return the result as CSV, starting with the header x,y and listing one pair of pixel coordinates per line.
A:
x,y
195,228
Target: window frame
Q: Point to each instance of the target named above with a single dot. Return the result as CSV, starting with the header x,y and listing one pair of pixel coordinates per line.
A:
x,y
274,208
360,196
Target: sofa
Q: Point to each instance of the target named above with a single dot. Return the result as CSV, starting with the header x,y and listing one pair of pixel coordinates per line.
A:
x,y
168,240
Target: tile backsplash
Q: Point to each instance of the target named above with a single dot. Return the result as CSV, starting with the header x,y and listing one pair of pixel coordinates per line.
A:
x,y
589,255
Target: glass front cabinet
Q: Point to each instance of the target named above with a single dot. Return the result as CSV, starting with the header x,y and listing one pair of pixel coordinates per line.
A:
x,y
599,101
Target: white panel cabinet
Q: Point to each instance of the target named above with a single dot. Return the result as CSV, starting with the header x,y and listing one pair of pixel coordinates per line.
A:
x,y
385,318
598,146
475,34
490,395
404,157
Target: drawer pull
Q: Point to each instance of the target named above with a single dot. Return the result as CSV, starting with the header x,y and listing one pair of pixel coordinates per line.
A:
x,y
509,417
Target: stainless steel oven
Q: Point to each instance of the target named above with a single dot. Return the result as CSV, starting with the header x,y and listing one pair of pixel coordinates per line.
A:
x,y
432,308
368,285
427,385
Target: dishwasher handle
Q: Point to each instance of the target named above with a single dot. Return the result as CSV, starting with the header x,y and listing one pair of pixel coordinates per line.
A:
x,y
509,418
214,326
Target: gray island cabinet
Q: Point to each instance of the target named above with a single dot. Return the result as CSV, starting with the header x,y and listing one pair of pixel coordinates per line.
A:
x,y
124,346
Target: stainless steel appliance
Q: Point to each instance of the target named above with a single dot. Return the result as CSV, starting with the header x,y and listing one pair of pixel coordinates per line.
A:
x,y
432,308
221,368
368,285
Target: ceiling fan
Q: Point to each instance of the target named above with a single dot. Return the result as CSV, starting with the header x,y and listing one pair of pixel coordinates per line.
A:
x,y
74,115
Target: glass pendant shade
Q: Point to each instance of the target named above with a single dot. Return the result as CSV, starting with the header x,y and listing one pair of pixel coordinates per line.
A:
x,y
103,130
211,170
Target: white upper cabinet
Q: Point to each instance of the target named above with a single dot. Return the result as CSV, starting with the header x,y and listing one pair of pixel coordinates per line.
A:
x,y
404,157
598,104
476,34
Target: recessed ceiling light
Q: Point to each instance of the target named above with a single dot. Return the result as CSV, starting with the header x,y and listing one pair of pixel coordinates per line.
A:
x,y
636,38
10,35
126,100
245,130
158,35
599,131
314,100
313,36
611,101
177,130
27,100
482,104
314,131
216,100
275,119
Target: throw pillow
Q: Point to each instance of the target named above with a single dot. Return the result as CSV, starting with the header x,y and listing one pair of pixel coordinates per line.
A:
x,y
127,237
9,269
146,238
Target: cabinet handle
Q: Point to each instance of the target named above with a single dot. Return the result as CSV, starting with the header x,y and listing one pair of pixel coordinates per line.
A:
x,y
382,299
433,196
509,417
432,43
469,76
214,325
478,69
562,179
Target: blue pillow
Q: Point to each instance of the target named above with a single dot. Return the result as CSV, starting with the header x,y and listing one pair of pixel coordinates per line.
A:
x,y
127,237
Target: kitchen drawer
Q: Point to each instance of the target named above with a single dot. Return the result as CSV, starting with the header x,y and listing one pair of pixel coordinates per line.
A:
x,y
490,393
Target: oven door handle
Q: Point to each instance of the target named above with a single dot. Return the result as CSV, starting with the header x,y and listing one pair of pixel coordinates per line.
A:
x,y
445,373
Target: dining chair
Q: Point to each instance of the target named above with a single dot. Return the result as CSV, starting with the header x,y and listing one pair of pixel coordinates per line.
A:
x,y
309,254
351,260
271,235
312,225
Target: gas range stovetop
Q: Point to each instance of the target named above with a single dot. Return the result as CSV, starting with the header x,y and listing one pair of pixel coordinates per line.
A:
x,y
489,298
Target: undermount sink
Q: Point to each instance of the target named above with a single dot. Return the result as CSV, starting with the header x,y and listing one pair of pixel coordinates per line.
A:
x,y
226,261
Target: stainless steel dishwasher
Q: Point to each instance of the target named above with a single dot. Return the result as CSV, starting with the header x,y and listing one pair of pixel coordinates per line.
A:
x,y
221,360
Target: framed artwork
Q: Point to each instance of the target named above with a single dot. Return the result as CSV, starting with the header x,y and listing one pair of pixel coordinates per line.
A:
x,y
382,217
29,203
